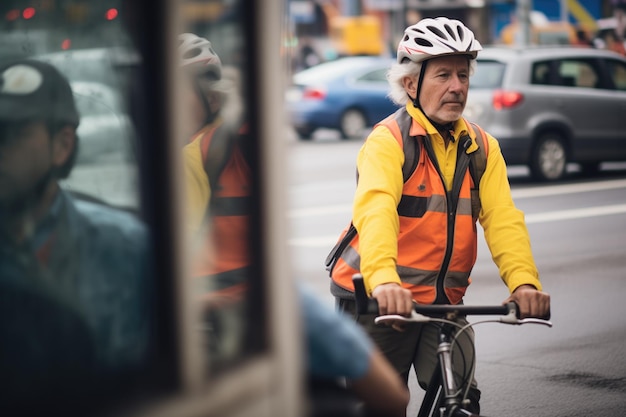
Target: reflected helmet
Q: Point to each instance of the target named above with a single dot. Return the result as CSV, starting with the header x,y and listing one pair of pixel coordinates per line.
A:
x,y
197,54
440,36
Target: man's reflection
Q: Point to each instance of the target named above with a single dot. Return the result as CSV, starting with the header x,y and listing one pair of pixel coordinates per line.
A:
x,y
72,273
218,186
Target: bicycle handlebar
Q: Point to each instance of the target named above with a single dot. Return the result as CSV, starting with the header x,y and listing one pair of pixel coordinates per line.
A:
x,y
509,311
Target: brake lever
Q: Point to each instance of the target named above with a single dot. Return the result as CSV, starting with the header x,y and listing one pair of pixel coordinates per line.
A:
x,y
414,318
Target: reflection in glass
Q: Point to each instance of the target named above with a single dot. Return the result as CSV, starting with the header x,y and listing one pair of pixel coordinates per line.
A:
x,y
217,159
75,280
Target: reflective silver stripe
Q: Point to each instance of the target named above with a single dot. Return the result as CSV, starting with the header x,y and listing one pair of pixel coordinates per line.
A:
x,y
352,258
411,206
437,203
231,206
464,207
415,276
455,279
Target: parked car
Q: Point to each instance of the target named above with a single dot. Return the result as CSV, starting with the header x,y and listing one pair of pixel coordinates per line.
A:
x,y
548,106
348,94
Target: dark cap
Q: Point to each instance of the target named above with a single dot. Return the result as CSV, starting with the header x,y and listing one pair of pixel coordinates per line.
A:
x,y
32,90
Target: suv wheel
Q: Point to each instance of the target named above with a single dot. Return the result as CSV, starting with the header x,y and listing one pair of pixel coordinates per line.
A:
x,y
353,124
549,158
304,133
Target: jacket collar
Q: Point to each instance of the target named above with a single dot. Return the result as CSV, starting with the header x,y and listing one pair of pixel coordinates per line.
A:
x,y
421,126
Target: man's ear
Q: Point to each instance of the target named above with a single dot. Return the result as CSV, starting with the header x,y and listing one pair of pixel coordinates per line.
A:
x,y
63,144
410,86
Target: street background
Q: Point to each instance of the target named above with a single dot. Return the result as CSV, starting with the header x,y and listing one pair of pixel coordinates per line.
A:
x,y
577,229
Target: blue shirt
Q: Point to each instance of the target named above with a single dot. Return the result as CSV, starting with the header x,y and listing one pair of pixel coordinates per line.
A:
x,y
96,265
335,345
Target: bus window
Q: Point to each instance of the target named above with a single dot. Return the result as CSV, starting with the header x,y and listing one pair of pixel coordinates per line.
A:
x,y
124,288
218,151
76,258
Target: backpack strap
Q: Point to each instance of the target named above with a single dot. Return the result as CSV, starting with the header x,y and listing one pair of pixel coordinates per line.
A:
x,y
409,144
478,164
479,157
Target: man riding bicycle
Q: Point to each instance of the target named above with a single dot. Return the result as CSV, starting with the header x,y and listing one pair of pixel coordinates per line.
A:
x,y
413,234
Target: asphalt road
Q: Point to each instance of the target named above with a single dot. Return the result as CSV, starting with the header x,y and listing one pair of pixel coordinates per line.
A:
x,y
577,229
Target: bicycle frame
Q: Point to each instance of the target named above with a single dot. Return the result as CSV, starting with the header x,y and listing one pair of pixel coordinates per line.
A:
x,y
441,397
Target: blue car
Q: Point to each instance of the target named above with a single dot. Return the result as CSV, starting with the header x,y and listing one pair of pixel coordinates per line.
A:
x,y
348,94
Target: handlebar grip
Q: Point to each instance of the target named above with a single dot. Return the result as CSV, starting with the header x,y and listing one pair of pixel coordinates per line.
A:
x,y
512,306
364,304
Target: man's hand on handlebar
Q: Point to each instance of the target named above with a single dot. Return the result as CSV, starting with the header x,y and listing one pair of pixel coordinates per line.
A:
x,y
393,299
531,302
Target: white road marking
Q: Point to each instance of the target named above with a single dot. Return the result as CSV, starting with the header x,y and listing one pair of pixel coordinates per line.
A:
x,y
329,241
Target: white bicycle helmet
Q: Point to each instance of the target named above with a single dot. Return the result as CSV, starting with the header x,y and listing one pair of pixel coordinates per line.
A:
x,y
197,54
429,38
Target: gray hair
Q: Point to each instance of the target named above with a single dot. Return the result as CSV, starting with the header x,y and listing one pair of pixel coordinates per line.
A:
x,y
396,74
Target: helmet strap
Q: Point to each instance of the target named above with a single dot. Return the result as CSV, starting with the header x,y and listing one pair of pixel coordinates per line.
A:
x,y
420,80
416,103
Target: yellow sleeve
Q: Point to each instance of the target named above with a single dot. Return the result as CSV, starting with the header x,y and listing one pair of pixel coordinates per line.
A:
x,y
197,186
504,225
375,214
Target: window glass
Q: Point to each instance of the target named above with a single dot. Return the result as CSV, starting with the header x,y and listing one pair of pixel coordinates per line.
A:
x,y
76,281
541,73
577,73
84,301
488,74
377,76
218,151
617,70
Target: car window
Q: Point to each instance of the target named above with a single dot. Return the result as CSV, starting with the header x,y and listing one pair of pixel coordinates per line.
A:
x,y
578,73
541,73
379,75
488,74
617,70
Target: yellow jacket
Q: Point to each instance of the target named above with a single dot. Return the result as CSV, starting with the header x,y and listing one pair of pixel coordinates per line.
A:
x,y
379,190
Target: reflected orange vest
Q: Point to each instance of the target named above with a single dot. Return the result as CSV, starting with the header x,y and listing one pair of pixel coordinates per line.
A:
x,y
226,248
437,241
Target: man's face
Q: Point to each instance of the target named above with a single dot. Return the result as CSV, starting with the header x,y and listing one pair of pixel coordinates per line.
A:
x,y
26,157
444,88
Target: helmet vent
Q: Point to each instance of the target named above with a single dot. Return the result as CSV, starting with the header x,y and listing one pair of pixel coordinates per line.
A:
x,y
460,32
437,32
423,42
451,32
192,53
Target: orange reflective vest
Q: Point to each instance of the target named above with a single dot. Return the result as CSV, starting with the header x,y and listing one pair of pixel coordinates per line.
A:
x,y
437,242
225,251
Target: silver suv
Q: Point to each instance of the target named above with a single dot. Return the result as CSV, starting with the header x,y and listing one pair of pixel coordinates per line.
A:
x,y
548,106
